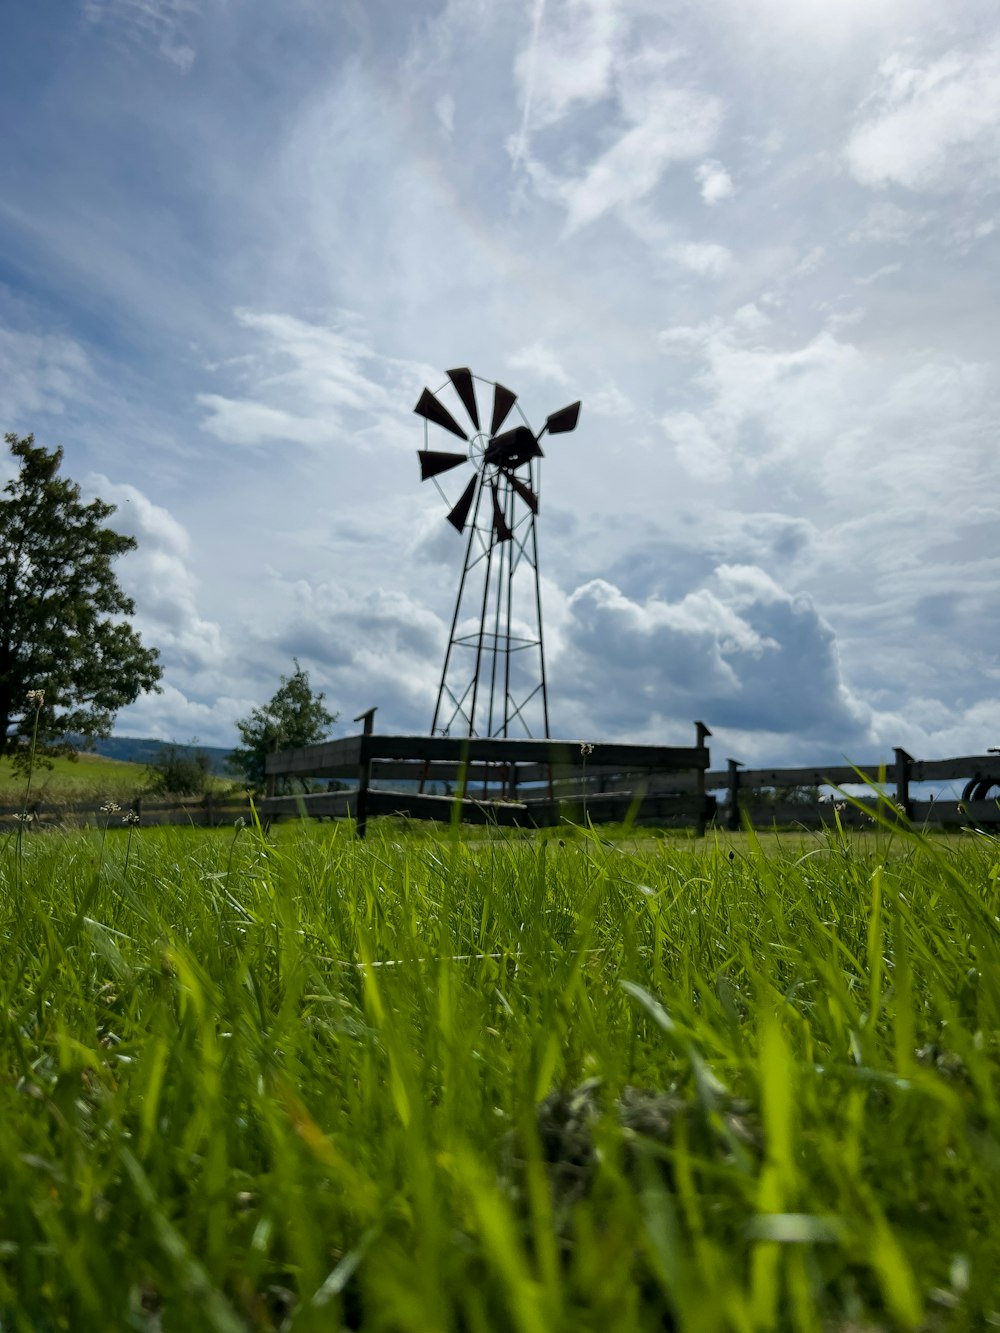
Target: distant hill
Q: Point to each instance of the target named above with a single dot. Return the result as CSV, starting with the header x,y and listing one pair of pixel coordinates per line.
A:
x,y
144,750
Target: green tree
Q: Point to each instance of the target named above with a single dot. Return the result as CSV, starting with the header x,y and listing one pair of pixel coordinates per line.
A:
x,y
179,770
64,631
295,716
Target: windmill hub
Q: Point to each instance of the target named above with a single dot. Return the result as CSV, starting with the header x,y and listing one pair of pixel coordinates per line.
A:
x,y
513,449
498,508
478,446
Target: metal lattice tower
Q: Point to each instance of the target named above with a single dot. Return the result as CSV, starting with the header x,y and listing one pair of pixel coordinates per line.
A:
x,y
493,680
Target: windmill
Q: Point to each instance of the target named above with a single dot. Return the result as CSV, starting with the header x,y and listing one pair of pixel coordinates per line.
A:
x,y
493,679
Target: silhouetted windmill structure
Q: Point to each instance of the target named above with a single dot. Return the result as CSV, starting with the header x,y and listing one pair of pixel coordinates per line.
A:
x,y
493,679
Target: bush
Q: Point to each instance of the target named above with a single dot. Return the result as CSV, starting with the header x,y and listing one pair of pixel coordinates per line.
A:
x,y
179,771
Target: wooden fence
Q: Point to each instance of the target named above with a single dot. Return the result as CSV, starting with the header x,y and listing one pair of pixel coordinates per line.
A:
x,y
745,787
206,812
531,783
539,783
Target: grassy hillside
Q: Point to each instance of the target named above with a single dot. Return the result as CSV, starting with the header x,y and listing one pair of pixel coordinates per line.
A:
x,y
425,1082
88,777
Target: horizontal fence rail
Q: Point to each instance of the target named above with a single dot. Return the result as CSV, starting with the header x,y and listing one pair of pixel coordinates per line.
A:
x,y
978,773
205,812
532,783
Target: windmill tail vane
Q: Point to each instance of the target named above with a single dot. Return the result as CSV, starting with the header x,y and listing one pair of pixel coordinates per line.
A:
x,y
493,680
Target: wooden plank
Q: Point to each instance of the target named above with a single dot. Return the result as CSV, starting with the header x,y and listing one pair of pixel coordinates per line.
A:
x,y
418,770
682,778
501,749
956,814
331,759
315,805
627,785
814,814
947,813
341,758
417,805
971,766
541,813
836,775
684,809
676,784
922,770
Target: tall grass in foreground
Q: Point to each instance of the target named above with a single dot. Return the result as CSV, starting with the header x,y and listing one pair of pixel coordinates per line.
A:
x,y
445,1082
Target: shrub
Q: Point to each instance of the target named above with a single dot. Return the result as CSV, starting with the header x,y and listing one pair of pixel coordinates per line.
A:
x,y
180,771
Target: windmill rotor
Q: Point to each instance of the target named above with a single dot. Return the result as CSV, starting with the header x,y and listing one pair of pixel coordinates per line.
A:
x,y
489,452
497,507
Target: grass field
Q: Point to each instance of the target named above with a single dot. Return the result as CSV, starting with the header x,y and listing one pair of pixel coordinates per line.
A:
x,y
84,778
87,777
431,1081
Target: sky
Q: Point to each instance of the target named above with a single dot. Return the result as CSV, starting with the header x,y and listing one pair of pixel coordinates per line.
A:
x,y
759,241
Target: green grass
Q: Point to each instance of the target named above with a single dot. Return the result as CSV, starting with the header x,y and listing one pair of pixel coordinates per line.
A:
x,y
87,777
432,1081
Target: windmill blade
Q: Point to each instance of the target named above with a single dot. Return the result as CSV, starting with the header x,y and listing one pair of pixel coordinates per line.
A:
x,y
435,461
526,493
503,401
459,516
429,407
462,380
500,527
563,420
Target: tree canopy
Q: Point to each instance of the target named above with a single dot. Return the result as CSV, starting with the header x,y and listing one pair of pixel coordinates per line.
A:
x,y
296,715
64,631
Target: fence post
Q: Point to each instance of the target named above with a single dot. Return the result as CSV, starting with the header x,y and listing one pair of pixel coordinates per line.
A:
x,y
269,778
904,763
208,809
733,805
702,732
364,772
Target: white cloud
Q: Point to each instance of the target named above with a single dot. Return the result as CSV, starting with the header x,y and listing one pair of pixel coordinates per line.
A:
x,y
675,125
309,382
41,373
327,361
539,361
444,109
378,647
885,271
765,405
886,223
821,26
609,401
740,650
173,715
704,257
708,259
159,23
582,54
568,60
697,448
243,421
139,517
158,576
715,181
933,128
